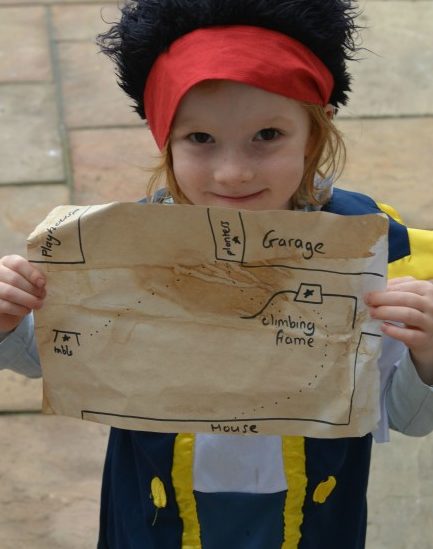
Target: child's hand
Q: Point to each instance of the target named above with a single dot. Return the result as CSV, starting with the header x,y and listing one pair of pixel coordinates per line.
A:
x,y
22,288
410,302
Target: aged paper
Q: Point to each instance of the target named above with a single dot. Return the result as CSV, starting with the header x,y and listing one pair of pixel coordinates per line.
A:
x,y
177,318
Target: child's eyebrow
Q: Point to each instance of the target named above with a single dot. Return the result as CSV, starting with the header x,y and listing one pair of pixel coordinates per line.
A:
x,y
279,120
200,123
189,121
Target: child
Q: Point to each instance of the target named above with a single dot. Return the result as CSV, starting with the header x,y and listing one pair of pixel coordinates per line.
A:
x,y
240,95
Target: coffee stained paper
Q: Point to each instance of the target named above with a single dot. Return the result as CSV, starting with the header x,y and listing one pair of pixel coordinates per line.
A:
x,y
177,318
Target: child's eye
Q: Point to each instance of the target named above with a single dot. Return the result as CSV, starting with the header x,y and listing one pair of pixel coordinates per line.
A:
x,y
200,137
267,134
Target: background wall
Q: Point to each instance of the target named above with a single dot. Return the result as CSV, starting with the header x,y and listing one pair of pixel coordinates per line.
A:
x,y
67,135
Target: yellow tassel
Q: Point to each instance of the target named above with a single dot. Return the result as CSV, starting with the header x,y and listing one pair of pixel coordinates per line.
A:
x,y
324,490
159,497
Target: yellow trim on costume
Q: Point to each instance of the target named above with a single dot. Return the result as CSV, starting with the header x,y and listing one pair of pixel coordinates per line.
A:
x,y
419,263
182,471
390,211
294,467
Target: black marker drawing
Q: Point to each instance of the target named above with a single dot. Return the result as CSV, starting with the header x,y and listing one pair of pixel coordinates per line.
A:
x,y
290,319
51,249
64,340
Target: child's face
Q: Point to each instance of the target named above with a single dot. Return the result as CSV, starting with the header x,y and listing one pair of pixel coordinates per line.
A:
x,y
238,146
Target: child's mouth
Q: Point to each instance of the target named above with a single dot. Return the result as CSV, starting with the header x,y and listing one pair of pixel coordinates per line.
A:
x,y
239,198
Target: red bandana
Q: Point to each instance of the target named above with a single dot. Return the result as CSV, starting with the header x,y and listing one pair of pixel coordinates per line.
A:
x,y
256,56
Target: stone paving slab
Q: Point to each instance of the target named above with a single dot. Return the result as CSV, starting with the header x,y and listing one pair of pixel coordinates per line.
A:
x,y
392,161
81,21
24,49
30,144
91,96
394,78
400,494
19,393
111,165
50,497
50,473
22,209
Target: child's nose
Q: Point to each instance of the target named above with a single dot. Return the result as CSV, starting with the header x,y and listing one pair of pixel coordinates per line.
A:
x,y
233,169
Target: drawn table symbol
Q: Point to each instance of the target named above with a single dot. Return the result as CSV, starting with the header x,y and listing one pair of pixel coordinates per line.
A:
x,y
309,293
65,336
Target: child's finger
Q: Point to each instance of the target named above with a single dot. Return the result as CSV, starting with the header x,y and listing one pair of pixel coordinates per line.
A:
x,y
403,315
15,280
420,287
397,298
11,295
400,279
9,322
411,337
24,268
12,309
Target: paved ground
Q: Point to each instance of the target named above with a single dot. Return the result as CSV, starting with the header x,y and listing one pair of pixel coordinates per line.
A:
x,y
67,136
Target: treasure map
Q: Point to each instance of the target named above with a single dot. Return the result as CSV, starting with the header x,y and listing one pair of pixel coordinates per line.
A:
x,y
179,318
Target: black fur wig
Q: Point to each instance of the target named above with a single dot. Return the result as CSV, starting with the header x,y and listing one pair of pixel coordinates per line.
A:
x,y
148,27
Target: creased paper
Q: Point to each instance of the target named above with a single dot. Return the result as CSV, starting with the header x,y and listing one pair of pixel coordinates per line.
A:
x,y
177,318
